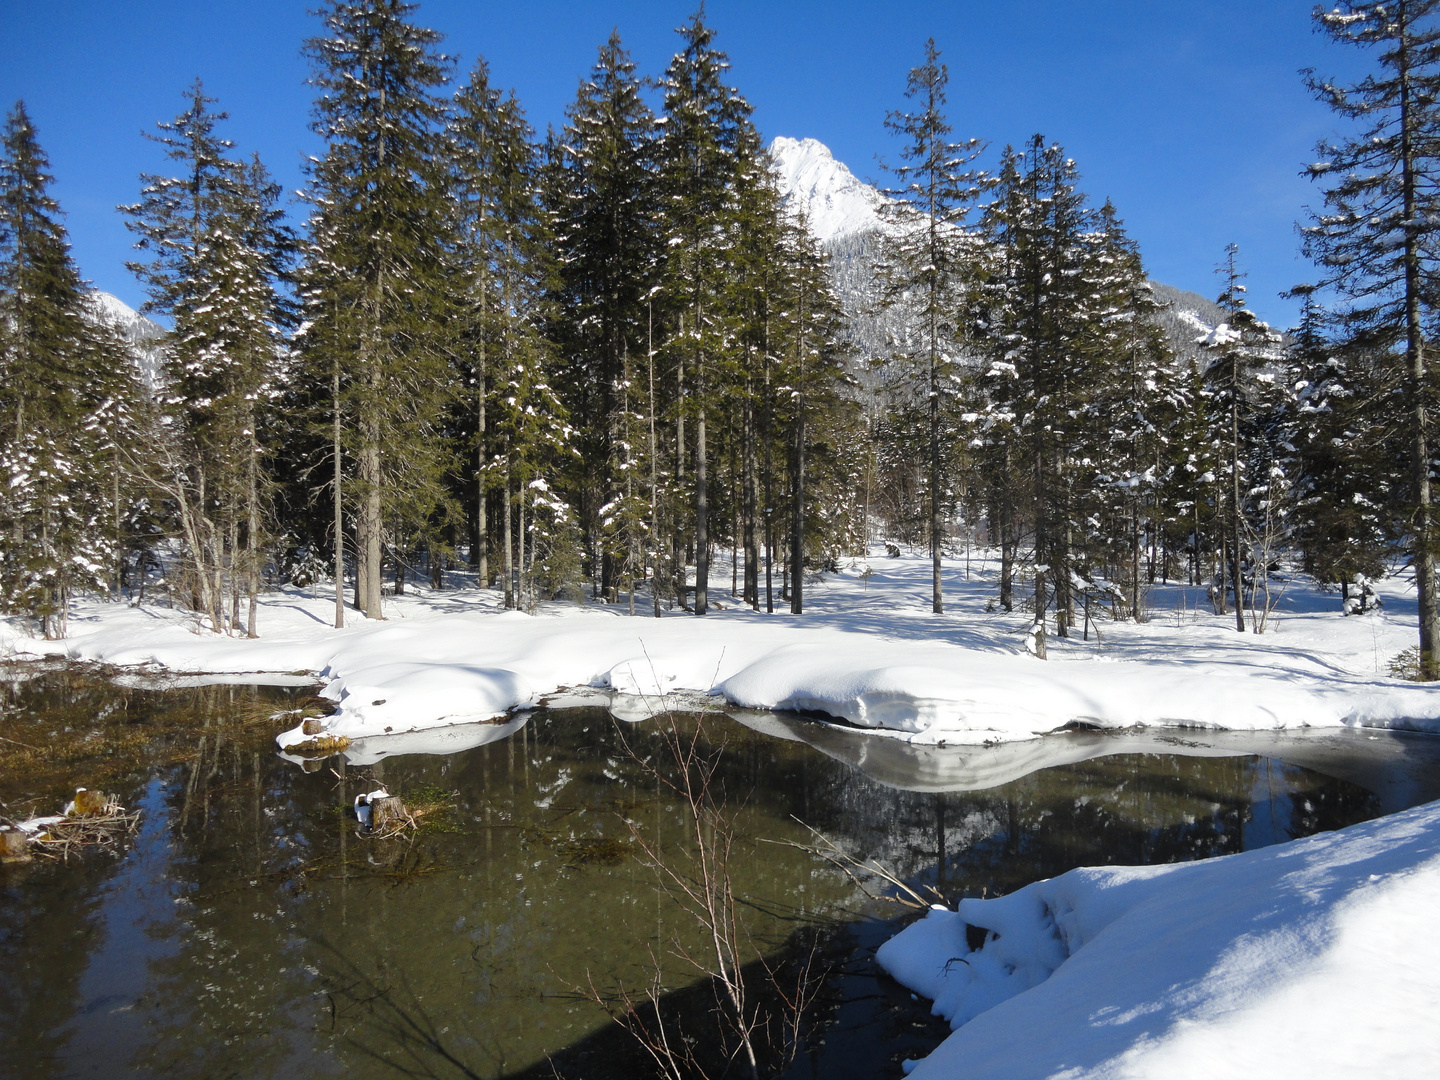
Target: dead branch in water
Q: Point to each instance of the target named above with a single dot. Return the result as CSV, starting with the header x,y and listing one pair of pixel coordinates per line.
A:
x,y
853,868
105,828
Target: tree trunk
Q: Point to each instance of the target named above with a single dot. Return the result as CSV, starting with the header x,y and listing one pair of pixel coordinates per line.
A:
x,y
937,601
520,570
369,526
769,497
653,540
1041,538
1008,541
1135,560
797,513
482,519
702,488
750,484
118,551
1064,587
1429,611
1235,496
511,591
679,571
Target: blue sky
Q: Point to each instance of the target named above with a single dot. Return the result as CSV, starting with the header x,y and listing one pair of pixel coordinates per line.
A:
x,y
1191,117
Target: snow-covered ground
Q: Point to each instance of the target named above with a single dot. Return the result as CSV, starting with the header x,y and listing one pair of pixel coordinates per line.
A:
x,y
1315,958
867,650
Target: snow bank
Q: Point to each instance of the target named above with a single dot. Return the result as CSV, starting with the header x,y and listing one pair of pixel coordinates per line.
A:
x,y
965,695
1312,958
867,651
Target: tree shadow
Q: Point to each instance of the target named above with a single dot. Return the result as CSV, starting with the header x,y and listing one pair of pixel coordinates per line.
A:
x,y
382,1019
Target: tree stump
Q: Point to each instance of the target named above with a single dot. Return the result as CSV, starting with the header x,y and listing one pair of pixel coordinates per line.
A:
x,y
14,845
87,803
388,814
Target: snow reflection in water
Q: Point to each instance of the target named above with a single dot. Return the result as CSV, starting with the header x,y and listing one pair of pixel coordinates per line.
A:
x,y
251,933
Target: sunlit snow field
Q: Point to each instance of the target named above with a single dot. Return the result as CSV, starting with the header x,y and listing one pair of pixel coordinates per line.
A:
x,y
867,650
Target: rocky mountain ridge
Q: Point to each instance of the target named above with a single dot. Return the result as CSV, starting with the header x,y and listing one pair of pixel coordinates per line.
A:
x,y
844,213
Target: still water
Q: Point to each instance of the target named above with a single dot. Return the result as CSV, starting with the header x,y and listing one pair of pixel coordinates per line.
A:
x,y
249,930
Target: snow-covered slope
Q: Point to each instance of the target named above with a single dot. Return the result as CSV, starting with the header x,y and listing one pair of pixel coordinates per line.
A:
x,y
1314,958
135,327
844,214
1186,318
836,203
143,335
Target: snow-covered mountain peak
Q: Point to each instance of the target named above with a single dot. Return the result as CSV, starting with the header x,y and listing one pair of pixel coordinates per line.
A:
x,y
115,312
835,202
143,335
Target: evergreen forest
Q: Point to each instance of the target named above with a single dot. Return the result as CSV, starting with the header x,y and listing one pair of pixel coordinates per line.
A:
x,y
600,362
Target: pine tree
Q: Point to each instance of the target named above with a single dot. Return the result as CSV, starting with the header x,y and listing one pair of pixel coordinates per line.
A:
x,y
506,273
175,212
231,338
1241,392
1349,461
501,271
1135,405
766,252
67,391
605,221
1375,241
1040,313
817,408
703,124
377,293
931,259
218,249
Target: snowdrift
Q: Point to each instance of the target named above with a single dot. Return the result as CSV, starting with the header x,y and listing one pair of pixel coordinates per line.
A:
x,y
1312,958
867,652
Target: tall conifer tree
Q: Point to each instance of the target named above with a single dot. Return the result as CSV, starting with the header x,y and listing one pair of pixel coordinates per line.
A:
x,y
1240,388
606,243
930,257
1375,241
1041,306
217,248
377,293
67,389
501,265
703,124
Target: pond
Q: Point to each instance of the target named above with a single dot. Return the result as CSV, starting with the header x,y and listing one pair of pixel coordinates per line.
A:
x,y
250,929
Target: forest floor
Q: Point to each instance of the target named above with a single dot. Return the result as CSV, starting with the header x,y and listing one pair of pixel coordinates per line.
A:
x,y
1315,957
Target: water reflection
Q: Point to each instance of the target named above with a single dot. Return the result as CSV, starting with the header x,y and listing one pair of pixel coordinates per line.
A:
x,y
250,932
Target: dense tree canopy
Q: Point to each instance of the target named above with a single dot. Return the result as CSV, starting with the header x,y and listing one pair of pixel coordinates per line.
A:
x,y
585,363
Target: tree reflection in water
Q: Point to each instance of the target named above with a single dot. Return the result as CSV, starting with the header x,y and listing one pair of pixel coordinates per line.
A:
x,y
251,933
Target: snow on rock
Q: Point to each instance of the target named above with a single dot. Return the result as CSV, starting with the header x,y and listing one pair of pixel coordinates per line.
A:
x,y
1312,958
835,202
114,311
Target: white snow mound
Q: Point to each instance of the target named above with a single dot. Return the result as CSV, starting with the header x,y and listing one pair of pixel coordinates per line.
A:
x,y
1312,958
867,651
